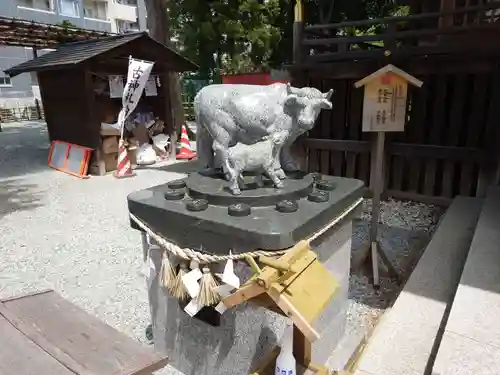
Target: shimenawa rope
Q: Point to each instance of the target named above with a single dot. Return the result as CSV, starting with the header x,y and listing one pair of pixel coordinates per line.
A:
x,y
202,258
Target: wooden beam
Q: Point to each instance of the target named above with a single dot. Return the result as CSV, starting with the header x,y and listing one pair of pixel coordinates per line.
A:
x,y
449,30
426,199
419,65
419,16
406,150
403,53
16,32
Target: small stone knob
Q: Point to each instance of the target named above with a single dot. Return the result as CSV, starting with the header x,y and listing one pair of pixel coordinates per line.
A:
x,y
325,185
287,206
239,210
318,196
177,184
197,205
174,195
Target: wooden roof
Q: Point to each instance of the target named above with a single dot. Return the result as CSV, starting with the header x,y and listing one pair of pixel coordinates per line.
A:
x,y
111,47
392,69
23,33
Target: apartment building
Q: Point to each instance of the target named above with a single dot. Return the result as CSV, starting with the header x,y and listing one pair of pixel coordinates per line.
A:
x,y
116,16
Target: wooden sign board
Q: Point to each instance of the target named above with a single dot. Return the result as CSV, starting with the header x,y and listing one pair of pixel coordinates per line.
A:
x,y
301,292
384,106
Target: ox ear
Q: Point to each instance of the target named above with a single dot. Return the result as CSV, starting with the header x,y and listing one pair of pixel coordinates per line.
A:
x,y
291,100
290,90
328,94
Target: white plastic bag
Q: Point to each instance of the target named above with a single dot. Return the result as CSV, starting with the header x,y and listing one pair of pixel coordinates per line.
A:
x,y
146,155
161,141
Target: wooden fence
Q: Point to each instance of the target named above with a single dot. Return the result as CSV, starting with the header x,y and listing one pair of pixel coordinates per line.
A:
x,y
447,148
24,112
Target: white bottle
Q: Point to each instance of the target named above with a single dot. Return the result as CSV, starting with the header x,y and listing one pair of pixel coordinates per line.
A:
x,y
285,363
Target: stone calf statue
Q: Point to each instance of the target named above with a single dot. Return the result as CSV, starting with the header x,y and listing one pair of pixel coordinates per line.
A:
x,y
227,114
258,157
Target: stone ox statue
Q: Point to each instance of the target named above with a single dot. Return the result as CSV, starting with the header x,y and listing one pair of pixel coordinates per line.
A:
x,y
258,157
227,114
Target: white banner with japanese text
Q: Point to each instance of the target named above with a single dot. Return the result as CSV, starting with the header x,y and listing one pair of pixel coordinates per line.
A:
x,y
137,77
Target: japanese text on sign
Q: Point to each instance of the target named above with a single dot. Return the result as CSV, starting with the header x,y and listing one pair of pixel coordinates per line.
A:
x,y
138,74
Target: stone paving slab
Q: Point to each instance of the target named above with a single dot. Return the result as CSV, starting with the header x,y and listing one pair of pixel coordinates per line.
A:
x,y
471,342
459,355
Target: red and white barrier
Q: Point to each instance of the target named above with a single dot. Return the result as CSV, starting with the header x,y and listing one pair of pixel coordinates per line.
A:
x,y
185,152
124,167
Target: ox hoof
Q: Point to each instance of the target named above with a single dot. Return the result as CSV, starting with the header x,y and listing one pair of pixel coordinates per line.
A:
x,y
279,185
235,191
280,174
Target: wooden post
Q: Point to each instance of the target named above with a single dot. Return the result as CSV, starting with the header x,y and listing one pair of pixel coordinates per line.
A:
x,y
378,184
384,110
169,115
298,31
446,6
37,104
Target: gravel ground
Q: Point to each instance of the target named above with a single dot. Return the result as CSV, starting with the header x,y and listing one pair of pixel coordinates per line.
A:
x,y
406,228
69,234
73,236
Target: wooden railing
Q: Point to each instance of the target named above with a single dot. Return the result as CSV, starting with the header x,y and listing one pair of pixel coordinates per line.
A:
x,y
21,113
188,110
425,33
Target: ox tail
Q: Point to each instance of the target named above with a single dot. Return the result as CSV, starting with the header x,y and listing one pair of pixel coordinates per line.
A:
x,y
203,138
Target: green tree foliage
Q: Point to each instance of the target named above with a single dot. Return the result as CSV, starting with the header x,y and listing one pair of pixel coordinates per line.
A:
x,y
240,36
235,35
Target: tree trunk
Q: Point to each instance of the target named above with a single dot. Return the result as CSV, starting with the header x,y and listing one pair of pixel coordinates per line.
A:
x,y
158,25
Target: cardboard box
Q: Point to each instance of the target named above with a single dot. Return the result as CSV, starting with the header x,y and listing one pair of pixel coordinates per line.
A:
x,y
109,132
110,145
111,161
141,133
132,156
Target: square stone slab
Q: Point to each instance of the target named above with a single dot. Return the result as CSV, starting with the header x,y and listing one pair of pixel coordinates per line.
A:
x,y
195,212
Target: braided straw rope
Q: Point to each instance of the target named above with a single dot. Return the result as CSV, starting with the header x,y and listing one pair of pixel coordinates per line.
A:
x,y
202,258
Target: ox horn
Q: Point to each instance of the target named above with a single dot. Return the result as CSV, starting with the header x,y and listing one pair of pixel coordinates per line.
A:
x,y
328,94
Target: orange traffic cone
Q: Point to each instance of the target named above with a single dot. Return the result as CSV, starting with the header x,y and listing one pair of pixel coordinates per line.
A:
x,y
185,152
123,167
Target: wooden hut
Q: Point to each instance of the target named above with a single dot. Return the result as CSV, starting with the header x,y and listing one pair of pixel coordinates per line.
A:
x,y
74,87
451,137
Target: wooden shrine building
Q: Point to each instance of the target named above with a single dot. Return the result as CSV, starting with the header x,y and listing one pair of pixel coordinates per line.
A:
x,y
74,83
451,138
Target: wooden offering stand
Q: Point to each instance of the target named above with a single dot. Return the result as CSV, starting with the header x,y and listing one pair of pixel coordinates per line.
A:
x,y
295,285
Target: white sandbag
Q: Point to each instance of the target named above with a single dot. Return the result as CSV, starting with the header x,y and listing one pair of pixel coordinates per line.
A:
x,y
161,140
146,155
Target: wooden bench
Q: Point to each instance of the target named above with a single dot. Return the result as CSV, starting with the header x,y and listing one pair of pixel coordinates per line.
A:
x,y
403,341
44,334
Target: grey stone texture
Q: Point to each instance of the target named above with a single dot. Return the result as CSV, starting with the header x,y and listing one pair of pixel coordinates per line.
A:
x,y
258,157
247,333
227,114
471,343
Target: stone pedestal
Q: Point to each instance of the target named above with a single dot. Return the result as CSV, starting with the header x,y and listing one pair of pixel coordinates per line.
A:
x,y
211,344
